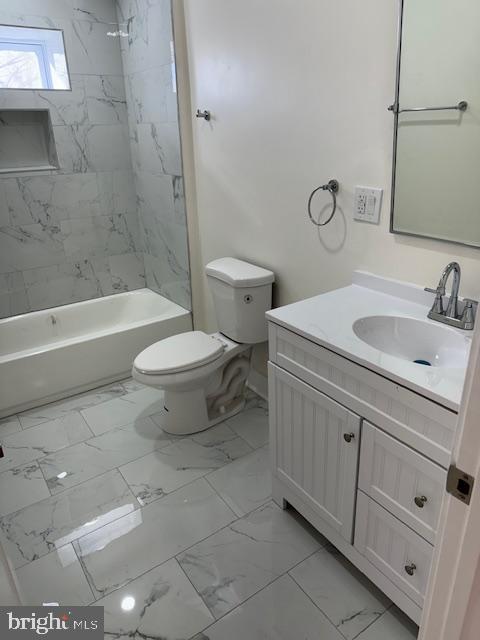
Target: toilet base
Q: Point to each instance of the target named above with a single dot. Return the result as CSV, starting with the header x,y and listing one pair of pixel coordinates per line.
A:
x,y
186,412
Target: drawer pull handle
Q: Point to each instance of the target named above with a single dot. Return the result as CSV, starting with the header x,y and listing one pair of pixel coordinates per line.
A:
x,y
348,437
410,568
420,501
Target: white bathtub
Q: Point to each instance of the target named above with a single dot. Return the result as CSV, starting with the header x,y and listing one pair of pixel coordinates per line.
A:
x,y
47,355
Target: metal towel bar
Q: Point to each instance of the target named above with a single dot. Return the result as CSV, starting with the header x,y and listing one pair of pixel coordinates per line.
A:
x,y
461,106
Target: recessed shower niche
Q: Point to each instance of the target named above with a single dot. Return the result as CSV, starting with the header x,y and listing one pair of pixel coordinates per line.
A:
x,y
26,141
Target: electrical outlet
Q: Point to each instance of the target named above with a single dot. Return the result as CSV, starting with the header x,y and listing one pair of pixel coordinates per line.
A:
x,y
368,202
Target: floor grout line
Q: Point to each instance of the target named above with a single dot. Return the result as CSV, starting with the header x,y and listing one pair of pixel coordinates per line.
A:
x,y
374,621
315,604
83,572
75,395
269,584
235,520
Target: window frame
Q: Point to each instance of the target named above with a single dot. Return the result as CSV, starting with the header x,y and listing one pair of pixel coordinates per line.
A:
x,y
43,52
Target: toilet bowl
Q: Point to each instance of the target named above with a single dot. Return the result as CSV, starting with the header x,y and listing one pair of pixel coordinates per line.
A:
x,y
204,376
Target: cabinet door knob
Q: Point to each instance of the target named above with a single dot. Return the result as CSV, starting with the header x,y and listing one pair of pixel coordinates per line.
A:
x,y
410,568
420,501
348,437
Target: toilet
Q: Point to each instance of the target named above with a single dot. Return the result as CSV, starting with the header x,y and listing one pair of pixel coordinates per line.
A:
x,y
204,376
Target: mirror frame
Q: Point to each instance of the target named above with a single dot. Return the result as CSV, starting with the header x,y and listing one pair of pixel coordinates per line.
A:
x,y
394,109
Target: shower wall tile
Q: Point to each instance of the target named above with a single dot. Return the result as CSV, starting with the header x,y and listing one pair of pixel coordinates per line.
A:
x,y
60,284
116,274
90,50
90,147
161,277
13,296
101,236
179,203
159,148
4,212
117,192
155,145
147,105
149,26
73,234
66,107
71,145
49,199
155,196
108,148
106,99
29,247
93,10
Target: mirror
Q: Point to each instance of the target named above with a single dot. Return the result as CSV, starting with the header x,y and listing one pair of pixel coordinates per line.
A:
x,y
32,58
436,169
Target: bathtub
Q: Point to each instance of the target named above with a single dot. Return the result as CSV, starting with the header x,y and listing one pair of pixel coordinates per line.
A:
x,y
50,354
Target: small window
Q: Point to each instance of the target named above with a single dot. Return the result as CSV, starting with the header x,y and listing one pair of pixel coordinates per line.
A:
x,y
32,58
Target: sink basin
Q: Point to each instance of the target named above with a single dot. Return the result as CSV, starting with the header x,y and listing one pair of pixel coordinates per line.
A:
x,y
413,340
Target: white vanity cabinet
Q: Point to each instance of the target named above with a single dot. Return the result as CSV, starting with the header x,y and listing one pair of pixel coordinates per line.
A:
x,y
316,442
362,458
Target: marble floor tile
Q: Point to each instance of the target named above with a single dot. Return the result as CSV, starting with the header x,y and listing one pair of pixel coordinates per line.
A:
x,y
252,423
244,484
21,487
181,462
9,425
42,440
234,563
120,411
55,578
348,599
280,612
160,604
93,457
45,526
392,625
126,548
60,408
131,385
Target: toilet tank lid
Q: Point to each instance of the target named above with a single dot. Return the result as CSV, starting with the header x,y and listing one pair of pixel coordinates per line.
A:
x,y
238,273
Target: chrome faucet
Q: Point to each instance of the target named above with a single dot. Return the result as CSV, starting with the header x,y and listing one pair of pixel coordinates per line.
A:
x,y
464,319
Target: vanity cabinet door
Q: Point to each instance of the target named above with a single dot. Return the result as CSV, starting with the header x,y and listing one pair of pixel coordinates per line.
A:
x,y
315,444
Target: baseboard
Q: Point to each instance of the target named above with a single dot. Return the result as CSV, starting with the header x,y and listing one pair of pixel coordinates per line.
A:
x,y
258,383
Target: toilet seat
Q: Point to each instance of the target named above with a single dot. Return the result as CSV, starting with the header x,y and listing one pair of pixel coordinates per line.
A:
x,y
179,353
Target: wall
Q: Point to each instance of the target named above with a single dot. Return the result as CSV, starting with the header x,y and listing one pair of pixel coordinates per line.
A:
x,y
299,94
149,64
73,234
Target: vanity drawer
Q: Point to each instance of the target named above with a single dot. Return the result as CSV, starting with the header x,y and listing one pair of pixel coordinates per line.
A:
x,y
397,551
420,423
401,480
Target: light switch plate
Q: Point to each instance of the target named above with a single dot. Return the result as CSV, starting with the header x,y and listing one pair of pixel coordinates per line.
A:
x,y
367,205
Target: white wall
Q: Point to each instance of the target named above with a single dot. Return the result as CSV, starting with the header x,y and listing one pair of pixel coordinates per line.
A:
x,y
299,91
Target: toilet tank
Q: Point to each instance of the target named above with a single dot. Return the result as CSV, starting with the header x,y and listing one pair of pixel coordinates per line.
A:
x,y
242,294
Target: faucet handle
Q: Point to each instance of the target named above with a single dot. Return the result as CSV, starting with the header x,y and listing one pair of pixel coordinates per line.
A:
x,y
438,303
468,315
438,291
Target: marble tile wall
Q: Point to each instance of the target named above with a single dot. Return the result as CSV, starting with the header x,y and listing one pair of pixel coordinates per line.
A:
x,y
149,66
113,218
73,234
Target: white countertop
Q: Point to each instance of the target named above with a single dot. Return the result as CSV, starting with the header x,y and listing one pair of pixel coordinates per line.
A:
x,y
327,320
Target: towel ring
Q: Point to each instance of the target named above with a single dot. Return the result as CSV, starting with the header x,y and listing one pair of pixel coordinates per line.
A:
x,y
332,187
